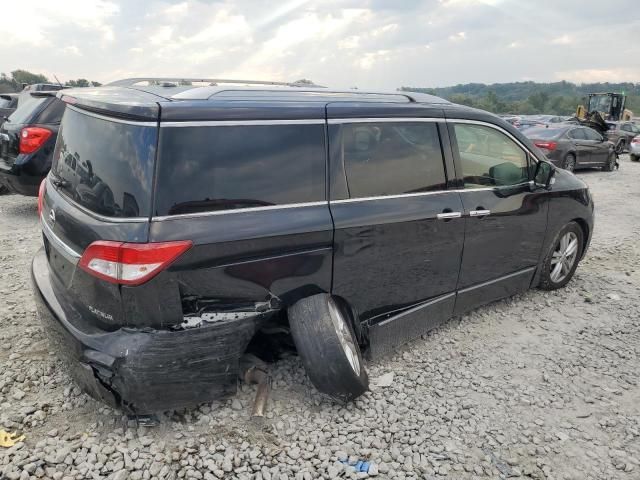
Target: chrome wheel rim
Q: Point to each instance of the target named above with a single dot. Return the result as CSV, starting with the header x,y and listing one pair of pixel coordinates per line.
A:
x,y
564,257
571,163
345,338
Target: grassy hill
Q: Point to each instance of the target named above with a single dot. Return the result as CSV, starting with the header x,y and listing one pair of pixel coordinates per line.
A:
x,y
559,98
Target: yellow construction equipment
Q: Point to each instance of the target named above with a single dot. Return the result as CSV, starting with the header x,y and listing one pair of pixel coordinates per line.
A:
x,y
609,105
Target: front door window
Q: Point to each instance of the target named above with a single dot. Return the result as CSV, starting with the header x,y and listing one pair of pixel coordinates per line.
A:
x,y
490,158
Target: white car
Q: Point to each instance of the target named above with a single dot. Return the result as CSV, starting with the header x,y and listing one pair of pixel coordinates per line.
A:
x,y
634,149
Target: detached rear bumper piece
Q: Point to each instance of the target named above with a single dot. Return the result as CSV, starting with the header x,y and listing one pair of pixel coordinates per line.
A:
x,y
142,371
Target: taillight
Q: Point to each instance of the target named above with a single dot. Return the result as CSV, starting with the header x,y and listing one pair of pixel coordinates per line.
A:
x,y
41,190
32,138
130,263
635,140
551,146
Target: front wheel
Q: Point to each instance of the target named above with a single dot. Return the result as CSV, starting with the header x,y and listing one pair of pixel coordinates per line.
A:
x,y
611,163
328,347
562,259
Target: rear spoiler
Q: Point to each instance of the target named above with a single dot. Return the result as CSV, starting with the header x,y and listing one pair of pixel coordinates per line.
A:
x,y
85,99
45,93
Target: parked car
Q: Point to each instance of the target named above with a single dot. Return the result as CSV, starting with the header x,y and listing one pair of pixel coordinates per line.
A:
x,y
621,134
634,149
8,104
547,118
180,223
572,146
27,140
526,123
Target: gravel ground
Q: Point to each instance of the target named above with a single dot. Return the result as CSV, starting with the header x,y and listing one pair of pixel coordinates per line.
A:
x,y
542,385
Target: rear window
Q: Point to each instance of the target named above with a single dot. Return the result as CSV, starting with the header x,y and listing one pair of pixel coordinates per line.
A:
x,y
27,107
105,166
544,133
52,113
203,169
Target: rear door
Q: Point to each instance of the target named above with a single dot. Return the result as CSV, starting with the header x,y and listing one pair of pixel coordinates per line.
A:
x,y
99,188
398,232
505,222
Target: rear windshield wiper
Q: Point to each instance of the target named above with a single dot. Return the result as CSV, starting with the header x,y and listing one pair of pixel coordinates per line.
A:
x,y
58,182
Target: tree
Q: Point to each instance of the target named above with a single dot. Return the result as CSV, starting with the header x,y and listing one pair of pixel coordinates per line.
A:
x,y
538,101
304,81
82,82
22,76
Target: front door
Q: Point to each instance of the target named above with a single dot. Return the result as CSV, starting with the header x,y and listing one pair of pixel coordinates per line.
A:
x,y
505,222
398,230
599,153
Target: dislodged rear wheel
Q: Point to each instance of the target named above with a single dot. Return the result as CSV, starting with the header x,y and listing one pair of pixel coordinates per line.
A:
x,y
328,348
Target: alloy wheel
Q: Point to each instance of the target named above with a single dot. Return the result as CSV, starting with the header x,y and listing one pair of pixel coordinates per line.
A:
x,y
345,337
570,163
564,257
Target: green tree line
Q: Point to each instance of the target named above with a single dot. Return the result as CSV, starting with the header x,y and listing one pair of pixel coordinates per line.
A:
x,y
17,78
557,98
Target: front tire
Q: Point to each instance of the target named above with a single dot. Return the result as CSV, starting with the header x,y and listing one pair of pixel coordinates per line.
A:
x,y
328,347
611,163
562,259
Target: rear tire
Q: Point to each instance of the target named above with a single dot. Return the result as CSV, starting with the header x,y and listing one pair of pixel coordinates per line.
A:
x,y
569,162
634,158
562,258
611,163
328,347
620,147
3,190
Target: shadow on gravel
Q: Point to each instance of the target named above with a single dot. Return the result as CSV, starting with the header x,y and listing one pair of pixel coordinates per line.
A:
x,y
27,206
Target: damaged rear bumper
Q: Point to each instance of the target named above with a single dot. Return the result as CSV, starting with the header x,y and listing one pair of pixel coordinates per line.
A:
x,y
142,371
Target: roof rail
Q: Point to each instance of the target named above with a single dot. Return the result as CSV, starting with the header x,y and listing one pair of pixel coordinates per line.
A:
x,y
128,82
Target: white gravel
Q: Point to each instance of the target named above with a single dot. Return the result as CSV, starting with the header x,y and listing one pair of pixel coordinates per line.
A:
x,y
543,385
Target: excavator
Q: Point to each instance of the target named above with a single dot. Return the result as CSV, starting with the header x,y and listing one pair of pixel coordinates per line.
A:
x,y
602,108
610,106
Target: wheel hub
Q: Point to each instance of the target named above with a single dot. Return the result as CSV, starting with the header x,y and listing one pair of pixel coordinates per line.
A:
x,y
564,257
345,338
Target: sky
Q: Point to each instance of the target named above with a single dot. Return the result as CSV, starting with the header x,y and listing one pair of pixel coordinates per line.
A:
x,y
381,44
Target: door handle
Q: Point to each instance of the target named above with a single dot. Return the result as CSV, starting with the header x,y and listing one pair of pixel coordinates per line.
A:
x,y
449,215
479,213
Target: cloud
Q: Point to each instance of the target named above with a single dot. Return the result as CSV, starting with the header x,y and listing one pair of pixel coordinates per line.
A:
x,y
593,75
365,43
562,40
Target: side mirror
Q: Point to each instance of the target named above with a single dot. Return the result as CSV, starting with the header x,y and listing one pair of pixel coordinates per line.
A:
x,y
544,173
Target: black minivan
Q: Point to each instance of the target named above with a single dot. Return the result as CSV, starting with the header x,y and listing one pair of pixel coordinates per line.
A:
x,y
180,222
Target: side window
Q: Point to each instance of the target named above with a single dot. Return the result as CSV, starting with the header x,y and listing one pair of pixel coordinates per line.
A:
x,y
577,134
592,134
490,158
392,158
204,169
626,127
